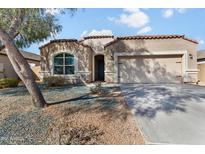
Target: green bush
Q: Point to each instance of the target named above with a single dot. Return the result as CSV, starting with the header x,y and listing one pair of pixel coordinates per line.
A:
x,y
97,89
8,82
54,81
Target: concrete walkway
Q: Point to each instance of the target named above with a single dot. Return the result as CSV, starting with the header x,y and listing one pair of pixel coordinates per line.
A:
x,y
168,114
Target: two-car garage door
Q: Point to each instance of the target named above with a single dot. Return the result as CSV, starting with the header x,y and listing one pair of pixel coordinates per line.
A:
x,y
150,69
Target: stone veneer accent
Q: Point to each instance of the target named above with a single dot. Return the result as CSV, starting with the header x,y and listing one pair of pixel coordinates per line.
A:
x,y
82,54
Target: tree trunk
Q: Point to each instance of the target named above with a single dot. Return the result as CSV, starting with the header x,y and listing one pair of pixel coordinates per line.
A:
x,y
22,68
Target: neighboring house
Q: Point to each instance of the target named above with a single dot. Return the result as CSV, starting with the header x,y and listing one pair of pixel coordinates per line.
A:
x,y
6,68
129,59
201,65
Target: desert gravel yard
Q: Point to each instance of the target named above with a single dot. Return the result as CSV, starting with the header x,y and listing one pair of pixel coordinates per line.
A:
x,y
77,117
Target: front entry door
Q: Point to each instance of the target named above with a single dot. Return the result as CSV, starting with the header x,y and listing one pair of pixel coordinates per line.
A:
x,y
99,68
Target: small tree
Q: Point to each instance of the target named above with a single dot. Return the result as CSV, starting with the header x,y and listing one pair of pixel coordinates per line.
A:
x,y
21,28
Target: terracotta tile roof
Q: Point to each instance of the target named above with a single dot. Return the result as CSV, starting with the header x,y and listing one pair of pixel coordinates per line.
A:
x,y
150,37
113,41
58,41
65,40
98,37
85,45
120,38
191,40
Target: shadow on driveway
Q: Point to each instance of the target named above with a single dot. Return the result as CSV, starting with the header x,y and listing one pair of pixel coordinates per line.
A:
x,y
147,100
168,113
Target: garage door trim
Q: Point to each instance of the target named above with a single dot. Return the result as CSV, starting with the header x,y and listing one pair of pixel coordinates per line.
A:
x,y
184,54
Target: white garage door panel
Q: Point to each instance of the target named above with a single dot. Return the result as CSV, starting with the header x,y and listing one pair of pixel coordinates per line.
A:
x,y
163,69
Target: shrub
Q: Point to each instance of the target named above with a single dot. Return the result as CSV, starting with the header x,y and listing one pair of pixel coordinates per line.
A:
x,y
54,81
8,82
97,89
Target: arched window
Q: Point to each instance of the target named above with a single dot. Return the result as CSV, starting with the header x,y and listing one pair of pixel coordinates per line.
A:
x,y
64,64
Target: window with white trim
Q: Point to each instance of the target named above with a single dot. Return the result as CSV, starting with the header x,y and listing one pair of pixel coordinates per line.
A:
x,y
64,64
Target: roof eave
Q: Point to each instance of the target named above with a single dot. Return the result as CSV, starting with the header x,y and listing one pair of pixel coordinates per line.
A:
x,y
65,40
138,37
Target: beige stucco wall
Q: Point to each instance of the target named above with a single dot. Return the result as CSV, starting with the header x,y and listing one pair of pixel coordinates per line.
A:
x,y
201,75
151,46
8,68
97,44
82,54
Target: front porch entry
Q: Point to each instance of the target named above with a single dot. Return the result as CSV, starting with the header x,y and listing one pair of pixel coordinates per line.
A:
x,y
99,68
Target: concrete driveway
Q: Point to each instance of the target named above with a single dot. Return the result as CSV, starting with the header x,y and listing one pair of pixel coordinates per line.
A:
x,y
169,113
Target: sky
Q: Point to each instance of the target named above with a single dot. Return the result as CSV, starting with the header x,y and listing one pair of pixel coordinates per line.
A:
x,y
121,22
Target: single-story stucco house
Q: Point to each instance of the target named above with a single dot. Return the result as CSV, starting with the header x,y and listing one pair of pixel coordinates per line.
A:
x,y
201,66
127,59
6,68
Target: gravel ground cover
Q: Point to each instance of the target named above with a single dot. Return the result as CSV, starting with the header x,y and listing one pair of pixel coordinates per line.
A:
x,y
75,117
